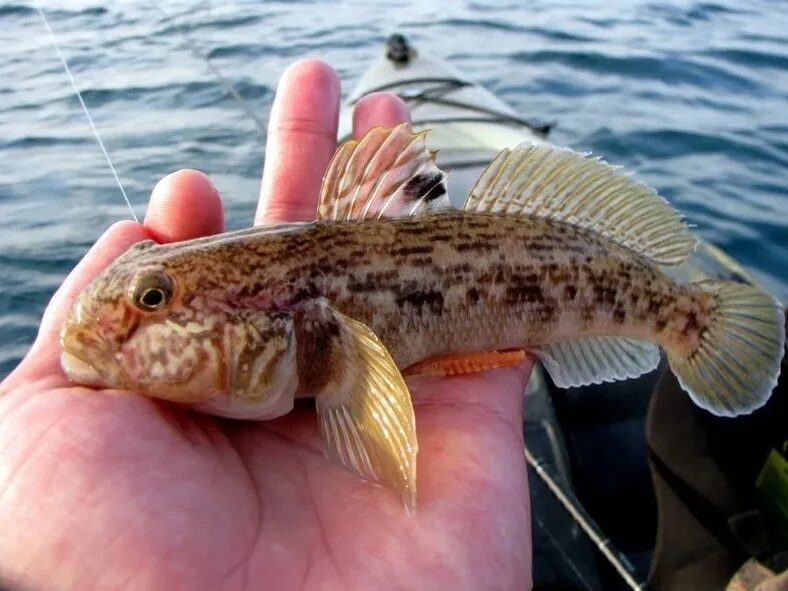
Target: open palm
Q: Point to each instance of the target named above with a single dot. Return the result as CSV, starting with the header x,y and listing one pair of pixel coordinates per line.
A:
x,y
112,490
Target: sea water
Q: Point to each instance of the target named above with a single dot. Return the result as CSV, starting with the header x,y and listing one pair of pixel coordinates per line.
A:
x,y
692,96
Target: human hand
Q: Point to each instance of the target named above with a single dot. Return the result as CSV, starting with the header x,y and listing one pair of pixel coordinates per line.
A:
x,y
120,491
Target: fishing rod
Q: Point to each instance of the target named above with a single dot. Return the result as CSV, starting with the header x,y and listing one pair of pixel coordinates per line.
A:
x,y
587,524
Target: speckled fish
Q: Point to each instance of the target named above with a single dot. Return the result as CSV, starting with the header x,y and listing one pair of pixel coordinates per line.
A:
x,y
553,253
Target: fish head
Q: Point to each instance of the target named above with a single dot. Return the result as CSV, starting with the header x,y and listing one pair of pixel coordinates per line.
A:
x,y
130,329
166,327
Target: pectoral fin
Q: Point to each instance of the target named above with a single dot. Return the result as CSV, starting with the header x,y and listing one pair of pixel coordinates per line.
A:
x,y
364,408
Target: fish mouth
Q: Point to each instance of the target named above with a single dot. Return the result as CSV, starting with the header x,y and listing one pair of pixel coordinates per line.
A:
x,y
80,371
86,359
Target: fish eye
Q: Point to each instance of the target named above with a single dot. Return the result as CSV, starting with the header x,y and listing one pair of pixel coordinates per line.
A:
x,y
151,290
152,297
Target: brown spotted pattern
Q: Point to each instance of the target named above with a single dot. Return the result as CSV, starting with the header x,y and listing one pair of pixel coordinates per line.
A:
x,y
428,285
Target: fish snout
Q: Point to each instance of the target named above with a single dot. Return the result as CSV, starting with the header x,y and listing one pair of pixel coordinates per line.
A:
x,y
87,358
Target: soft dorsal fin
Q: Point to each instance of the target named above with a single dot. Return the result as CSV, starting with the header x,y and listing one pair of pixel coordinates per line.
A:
x,y
549,182
387,173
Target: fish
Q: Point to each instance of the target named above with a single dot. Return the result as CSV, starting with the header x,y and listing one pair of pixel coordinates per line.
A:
x,y
554,253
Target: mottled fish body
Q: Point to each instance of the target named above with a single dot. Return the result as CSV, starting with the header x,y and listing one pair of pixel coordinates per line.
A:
x,y
443,282
553,253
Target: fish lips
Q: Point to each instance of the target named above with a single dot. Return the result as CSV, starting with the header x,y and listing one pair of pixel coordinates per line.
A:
x,y
81,372
88,360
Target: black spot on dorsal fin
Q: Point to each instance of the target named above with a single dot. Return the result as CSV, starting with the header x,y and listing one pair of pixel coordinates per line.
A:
x,y
427,186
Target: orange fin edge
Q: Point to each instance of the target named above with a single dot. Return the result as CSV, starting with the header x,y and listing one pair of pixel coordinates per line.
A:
x,y
455,364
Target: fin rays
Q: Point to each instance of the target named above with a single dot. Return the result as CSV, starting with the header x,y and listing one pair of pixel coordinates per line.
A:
x,y
595,360
735,368
365,415
559,184
387,173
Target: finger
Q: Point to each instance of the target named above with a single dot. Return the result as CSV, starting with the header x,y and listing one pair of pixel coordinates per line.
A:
x,y
44,357
301,140
184,205
379,109
511,381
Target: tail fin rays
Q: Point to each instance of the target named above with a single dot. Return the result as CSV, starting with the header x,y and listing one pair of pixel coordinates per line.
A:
x,y
736,366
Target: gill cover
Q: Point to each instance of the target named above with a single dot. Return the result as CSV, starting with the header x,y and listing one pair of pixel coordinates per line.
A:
x,y
260,377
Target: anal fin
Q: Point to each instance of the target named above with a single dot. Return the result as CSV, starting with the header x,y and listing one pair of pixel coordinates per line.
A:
x,y
594,360
463,363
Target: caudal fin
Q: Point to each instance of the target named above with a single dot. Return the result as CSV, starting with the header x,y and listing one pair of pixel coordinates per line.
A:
x,y
736,366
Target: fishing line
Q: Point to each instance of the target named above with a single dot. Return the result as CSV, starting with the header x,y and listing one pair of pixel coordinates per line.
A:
x,y
220,78
85,108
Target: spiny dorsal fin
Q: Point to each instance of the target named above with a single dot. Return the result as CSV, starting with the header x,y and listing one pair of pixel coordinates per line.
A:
x,y
549,182
387,173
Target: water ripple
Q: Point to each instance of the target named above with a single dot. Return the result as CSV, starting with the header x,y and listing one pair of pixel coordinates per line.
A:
x,y
749,58
671,69
690,95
